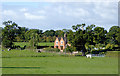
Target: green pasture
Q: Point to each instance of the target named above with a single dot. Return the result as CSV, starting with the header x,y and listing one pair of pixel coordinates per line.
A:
x,y
22,44
59,65
46,44
31,62
0,61
26,53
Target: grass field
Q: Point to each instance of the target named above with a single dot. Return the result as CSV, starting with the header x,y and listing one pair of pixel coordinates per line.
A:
x,y
59,65
0,61
25,53
40,44
31,62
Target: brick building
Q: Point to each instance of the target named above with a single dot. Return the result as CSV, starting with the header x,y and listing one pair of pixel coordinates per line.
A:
x,y
60,42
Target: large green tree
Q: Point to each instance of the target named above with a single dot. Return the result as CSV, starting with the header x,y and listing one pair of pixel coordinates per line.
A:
x,y
100,35
34,38
9,33
29,33
113,35
118,37
80,37
0,35
21,35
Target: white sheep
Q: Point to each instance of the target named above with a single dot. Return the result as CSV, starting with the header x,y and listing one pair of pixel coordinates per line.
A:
x,y
9,49
89,55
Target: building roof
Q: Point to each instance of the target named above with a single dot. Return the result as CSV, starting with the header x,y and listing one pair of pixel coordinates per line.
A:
x,y
64,38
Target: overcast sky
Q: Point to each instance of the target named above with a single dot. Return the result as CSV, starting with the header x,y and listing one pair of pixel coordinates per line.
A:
x,y
60,15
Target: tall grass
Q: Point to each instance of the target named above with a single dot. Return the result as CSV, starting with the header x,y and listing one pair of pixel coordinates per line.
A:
x,y
112,53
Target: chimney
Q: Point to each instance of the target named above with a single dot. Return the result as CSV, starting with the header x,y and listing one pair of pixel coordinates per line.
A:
x,y
65,38
65,35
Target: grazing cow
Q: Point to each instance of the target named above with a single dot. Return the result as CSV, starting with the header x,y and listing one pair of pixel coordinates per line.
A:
x,y
89,55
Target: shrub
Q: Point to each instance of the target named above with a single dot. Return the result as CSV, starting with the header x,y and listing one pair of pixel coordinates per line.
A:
x,y
70,49
90,47
109,46
7,43
93,50
102,52
49,49
112,54
100,46
56,49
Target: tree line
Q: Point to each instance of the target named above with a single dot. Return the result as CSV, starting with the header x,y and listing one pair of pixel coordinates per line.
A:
x,y
80,37
91,37
14,33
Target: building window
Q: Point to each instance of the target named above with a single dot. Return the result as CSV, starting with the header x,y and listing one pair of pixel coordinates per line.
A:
x,y
56,42
61,42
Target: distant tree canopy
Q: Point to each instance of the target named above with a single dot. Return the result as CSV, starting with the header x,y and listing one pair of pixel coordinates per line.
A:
x,y
0,35
92,35
30,32
113,35
59,33
99,35
118,36
49,33
21,35
79,37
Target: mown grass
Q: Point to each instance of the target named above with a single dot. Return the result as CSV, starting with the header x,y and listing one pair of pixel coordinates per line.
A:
x,y
25,53
0,61
22,44
59,65
31,62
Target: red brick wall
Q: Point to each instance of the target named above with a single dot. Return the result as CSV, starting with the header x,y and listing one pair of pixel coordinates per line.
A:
x,y
59,43
63,43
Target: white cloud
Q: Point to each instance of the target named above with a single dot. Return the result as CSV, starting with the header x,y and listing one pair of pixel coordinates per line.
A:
x,y
23,9
106,10
41,12
9,13
63,15
79,12
58,0
59,9
76,12
71,11
32,17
